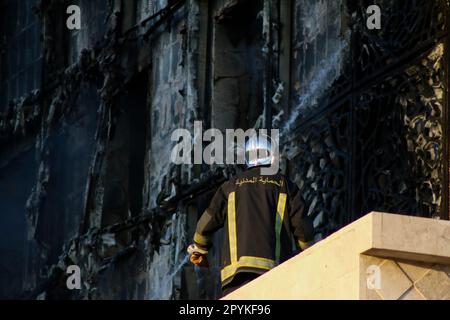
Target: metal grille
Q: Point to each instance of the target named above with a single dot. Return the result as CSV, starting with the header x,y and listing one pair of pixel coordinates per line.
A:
x,y
374,140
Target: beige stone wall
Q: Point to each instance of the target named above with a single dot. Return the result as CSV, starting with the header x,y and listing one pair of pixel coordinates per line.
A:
x,y
405,280
409,256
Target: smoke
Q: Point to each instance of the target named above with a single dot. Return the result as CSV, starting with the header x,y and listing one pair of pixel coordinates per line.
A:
x,y
315,20
163,289
178,267
328,71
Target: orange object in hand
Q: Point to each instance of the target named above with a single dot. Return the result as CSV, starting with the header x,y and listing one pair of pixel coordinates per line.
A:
x,y
198,255
199,260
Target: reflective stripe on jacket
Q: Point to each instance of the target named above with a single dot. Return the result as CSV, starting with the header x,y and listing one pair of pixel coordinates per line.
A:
x,y
262,217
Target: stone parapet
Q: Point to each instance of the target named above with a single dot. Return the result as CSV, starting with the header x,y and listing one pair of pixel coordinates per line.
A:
x,y
379,256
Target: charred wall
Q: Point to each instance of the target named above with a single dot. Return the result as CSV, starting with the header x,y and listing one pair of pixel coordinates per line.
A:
x,y
85,176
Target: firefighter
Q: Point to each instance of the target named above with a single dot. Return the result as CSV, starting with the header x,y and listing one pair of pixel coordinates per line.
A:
x,y
264,218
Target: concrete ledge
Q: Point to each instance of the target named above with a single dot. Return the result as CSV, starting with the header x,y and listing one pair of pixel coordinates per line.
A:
x,y
342,265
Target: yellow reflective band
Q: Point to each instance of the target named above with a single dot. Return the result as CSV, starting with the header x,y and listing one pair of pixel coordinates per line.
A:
x,y
279,224
201,240
246,262
232,227
304,245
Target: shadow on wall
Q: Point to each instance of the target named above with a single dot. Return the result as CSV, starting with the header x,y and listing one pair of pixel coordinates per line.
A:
x,y
16,181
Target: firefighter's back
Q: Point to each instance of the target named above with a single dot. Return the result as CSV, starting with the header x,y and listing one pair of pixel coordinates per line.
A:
x,y
254,234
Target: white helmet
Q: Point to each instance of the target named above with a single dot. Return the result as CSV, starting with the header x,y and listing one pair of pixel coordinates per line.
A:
x,y
258,151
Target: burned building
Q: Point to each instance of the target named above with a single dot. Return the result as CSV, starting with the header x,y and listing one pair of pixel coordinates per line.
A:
x,y
87,116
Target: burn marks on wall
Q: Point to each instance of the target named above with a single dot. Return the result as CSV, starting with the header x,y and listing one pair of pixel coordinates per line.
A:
x,y
238,65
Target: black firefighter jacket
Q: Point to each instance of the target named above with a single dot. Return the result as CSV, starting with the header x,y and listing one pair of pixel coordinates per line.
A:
x,y
264,219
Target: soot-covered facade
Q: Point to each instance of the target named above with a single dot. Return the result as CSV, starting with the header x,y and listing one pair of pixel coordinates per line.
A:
x,y
87,116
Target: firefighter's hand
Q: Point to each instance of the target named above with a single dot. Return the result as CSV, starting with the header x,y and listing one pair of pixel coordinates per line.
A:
x,y
199,260
198,256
